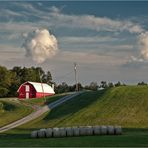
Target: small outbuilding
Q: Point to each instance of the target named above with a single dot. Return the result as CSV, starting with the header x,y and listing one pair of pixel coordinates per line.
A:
x,y
34,90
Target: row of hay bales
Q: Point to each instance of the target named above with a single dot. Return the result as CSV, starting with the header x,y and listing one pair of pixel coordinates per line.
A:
x,y
77,131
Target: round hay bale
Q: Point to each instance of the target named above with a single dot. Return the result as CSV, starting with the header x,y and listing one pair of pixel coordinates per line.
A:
x,y
41,133
62,132
110,130
97,130
118,130
76,131
89,130
56,132
83,130
34,134
69,131
103,130
48,132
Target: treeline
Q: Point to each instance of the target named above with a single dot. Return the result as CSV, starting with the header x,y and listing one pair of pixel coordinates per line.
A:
x,y
11,79
64,87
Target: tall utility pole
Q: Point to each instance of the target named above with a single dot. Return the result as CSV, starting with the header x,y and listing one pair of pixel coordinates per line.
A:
x,y
76,76
42,87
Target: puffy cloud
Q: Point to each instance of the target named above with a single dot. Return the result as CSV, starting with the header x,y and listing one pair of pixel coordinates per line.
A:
x,y
40,45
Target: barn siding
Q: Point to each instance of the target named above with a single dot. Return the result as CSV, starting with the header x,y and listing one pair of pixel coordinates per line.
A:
x,y
22,91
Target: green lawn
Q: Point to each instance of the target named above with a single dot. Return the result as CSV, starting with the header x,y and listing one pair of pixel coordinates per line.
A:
x,y
130,138
126,106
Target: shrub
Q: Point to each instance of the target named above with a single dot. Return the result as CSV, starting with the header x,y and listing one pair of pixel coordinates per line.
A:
x,y
3,92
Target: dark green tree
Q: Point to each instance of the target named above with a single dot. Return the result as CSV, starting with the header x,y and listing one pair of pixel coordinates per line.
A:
x,y
93,86
110,84
142,83
118,84
103,84
6,79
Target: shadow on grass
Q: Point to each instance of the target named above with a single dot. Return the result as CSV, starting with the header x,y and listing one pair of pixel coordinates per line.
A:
x,y
17,133
72,106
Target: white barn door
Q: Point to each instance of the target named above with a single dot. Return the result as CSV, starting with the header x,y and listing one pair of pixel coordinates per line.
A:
x,y
27,95
27,91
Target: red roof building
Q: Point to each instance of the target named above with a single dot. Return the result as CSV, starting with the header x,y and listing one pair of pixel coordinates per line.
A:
x,y
34,90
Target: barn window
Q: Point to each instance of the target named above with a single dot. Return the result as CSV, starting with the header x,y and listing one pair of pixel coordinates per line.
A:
x,y
27,87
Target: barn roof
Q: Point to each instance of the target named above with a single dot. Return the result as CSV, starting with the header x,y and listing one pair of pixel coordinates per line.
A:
x,y
38,87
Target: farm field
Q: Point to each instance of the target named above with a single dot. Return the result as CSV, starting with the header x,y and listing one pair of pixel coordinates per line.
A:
x,y
126,106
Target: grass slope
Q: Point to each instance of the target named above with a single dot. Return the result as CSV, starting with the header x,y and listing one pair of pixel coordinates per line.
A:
x,y
126,106
11,111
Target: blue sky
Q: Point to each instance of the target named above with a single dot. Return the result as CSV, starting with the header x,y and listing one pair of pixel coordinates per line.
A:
x,y
108,40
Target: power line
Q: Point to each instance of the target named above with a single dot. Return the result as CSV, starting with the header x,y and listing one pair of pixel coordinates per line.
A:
x,y
42,86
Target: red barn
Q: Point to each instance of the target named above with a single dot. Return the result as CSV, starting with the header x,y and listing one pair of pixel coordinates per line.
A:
x,y
34,90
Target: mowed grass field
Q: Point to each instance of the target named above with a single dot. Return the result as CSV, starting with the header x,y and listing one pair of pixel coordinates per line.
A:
x,y
126,106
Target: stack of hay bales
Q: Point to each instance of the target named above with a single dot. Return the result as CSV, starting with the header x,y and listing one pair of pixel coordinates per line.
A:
x,y
96,130
69,131
62,131
41,133
110,130
118,130
56,132
34,134
77,131
82,130
103,130
89,130
49,132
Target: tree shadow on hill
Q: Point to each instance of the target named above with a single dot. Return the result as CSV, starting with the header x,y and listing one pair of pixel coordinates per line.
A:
x,y
76,104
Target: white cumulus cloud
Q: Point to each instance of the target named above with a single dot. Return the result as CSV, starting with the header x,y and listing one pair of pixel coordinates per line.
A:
x,y
40,45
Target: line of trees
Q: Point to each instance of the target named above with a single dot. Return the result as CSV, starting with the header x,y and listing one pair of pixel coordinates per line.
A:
x,y
11,79
92,86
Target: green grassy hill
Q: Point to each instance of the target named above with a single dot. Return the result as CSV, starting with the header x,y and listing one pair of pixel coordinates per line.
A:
x,y
11,111
126,106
